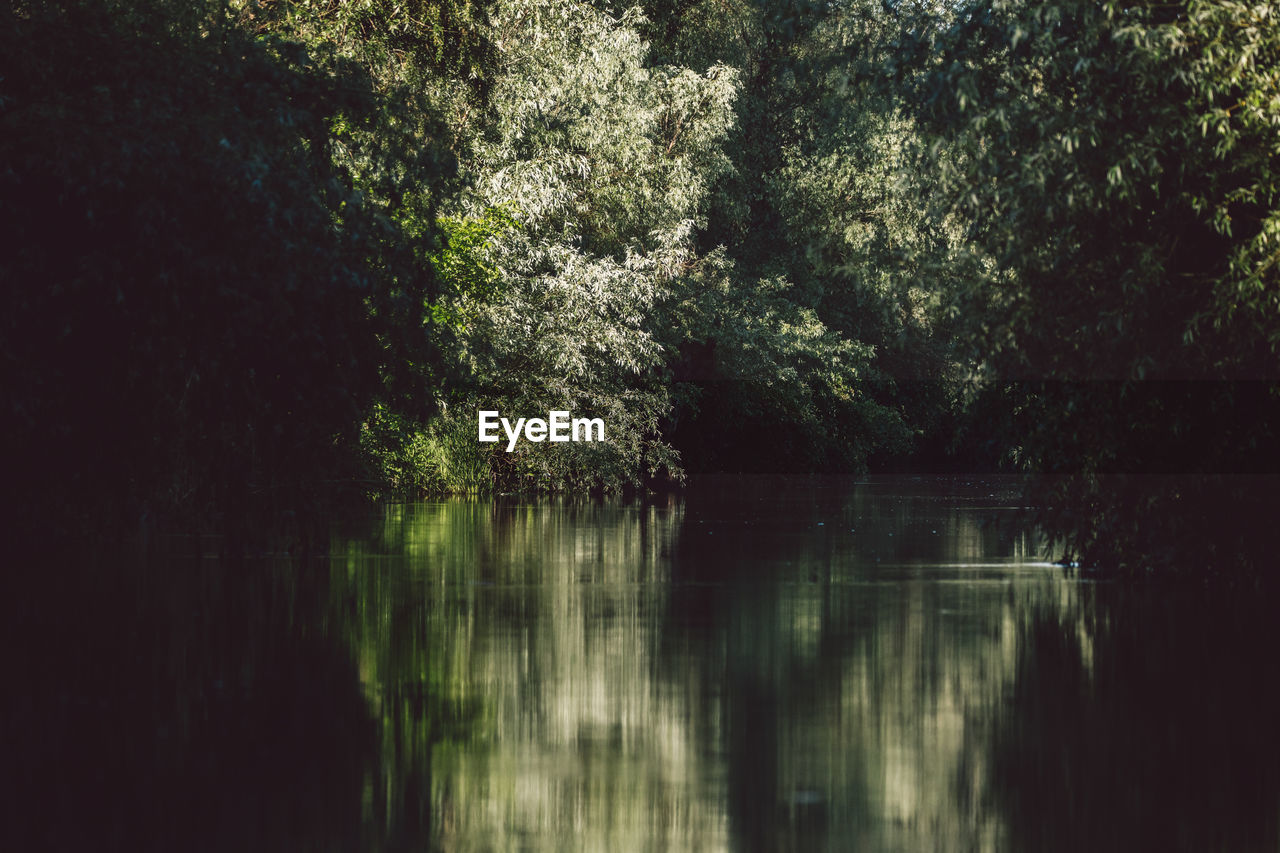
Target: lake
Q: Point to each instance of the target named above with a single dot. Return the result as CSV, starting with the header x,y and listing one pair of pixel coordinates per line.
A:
x,y
764,664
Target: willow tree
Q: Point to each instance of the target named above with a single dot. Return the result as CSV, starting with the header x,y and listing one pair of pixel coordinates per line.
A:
x,y
601,165
816,240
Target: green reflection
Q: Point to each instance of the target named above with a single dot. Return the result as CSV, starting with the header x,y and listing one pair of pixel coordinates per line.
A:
x,y
760,666
551,613
770,664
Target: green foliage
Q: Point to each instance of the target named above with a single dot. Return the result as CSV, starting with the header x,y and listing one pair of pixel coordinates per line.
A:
x,y
465,262
814,200
756,369
415,460
402,40
1233,51
253,246
609,163
1114,171
1106,225
616,164
200,299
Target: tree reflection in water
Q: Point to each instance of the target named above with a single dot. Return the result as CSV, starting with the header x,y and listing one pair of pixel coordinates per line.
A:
x,y
800,665
196,704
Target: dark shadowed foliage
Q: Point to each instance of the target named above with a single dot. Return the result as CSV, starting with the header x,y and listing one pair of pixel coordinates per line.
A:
x,y
201,302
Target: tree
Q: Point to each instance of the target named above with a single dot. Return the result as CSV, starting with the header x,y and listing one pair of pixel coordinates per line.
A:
x,y
783,265
604,165
202,294
1114,169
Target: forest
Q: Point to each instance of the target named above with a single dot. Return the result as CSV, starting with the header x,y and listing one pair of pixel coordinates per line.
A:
x,y
261,258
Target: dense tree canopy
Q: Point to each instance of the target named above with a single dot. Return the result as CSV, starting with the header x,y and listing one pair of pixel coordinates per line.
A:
x,y
1114,170
257,249
204,276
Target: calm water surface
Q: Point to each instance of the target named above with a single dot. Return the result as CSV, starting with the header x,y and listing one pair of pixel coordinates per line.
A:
x,y
756,664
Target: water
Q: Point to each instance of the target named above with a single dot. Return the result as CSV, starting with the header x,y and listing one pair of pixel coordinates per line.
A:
x,y
757,664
